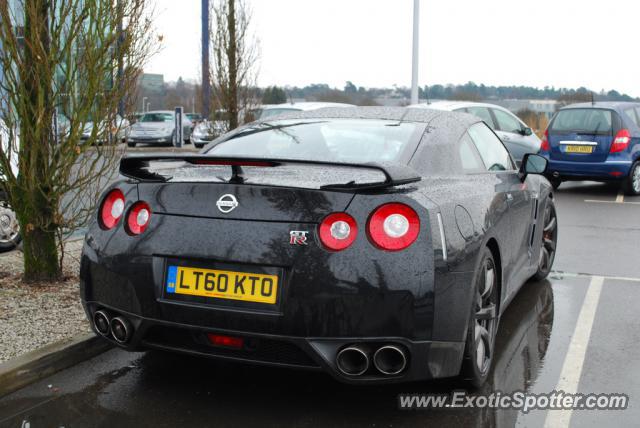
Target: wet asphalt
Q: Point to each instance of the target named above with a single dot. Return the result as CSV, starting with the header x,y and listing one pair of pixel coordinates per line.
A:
x,y
599,242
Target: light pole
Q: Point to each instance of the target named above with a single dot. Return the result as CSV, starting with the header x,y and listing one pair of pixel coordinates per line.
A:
x,y
149,106
144,103
416,40
121,102
206,83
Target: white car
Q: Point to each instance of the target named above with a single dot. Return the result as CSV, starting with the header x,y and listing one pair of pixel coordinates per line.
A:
x,y
207,131
9,226
518,138
119,131
269,110
157,127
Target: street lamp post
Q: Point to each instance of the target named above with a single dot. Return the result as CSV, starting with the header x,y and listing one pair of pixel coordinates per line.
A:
x,y
149,106
206,83
416,37
144,103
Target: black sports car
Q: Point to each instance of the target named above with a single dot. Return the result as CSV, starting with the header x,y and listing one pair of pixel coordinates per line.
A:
x,y
376,244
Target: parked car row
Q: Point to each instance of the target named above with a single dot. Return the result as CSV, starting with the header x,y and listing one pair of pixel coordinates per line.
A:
x,y
598,141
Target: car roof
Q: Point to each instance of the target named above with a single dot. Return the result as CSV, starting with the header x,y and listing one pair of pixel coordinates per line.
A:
x,y
603,104
159,111
305,105
453,105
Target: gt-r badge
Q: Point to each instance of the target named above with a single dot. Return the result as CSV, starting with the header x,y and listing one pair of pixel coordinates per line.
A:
x,y
298,237
227,203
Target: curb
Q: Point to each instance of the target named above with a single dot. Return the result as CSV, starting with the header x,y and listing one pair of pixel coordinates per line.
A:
x,y
35,365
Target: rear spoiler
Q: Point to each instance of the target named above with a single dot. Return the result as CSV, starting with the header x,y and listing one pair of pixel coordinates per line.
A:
x,y
137,167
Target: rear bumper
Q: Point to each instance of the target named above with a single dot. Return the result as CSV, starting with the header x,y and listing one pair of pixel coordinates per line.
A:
x,y
605,171
165,139
425,359
326,300
197,140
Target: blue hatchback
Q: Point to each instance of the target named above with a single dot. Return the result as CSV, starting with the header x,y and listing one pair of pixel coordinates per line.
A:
x,y
595,141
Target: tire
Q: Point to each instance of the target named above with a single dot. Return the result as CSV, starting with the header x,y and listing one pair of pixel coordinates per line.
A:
x,y
549,241
130,144
198,146
483,323
9,228
631,184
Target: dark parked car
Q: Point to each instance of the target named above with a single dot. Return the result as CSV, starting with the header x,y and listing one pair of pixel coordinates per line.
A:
x,y
595,141
376,244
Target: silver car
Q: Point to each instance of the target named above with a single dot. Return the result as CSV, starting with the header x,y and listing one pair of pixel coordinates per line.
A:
x,y
518,138
157,127
118,132
9,228
268,110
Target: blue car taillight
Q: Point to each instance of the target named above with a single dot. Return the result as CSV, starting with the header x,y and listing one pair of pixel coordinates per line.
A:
x,y
621,142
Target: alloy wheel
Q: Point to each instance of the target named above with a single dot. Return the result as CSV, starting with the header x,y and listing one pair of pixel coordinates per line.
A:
x,y
635,179
549,239
485,316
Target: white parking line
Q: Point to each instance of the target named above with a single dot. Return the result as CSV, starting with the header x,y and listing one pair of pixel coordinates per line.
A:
x,y
588,275
620,197
596,201
574,360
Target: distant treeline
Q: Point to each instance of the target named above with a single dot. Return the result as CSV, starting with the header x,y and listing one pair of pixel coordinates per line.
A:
x,y
469,91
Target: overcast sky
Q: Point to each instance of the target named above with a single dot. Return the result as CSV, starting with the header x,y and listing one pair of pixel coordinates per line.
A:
x,y
561,43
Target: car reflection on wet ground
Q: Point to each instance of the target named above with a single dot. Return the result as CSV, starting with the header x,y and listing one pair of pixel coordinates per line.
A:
x,y
534,353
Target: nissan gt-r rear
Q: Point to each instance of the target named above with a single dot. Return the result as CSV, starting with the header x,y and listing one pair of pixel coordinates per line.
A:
x,y
310,242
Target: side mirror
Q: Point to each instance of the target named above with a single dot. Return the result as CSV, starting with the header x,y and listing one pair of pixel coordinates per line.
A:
x,y
527,131
532,164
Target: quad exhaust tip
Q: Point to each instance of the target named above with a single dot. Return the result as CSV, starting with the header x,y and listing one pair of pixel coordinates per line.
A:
x,y
121,329
390,360
352,361
101,322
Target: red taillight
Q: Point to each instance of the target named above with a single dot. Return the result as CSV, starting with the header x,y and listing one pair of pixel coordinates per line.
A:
x,y
138,218
225,341
112,209
393,227
621,142
338,231
544,147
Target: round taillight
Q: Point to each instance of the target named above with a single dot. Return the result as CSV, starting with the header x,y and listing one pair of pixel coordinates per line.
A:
x,y
112,209
393,227
138,218
338,231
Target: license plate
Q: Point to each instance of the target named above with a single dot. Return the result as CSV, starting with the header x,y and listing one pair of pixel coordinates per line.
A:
x,y
222,284
579,149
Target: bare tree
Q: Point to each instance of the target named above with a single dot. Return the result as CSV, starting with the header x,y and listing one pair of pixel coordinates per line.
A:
x,y
67,64
235,56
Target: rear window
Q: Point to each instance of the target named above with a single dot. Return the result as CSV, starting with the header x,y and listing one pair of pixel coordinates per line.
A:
x,y
592,121
338,140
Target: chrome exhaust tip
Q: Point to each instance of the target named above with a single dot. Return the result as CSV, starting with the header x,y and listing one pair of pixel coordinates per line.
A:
x,y
121,329
101,322
352,361
390,360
